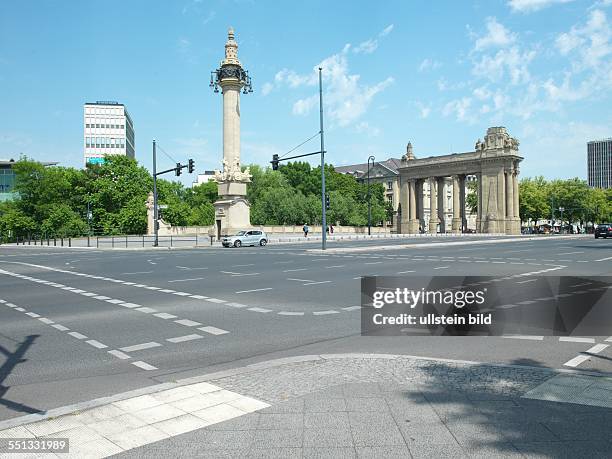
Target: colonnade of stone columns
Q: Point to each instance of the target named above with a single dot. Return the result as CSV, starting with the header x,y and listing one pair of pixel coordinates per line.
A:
x,y
498,203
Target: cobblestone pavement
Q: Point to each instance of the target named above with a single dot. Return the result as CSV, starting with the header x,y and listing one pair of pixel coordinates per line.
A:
x,y
396,406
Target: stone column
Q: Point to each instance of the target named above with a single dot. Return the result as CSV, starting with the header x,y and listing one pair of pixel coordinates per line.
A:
x,y
501,202
413,225
405,205
456,225
509,176
433,206
479,222
420,205
515,196
462,180
441,194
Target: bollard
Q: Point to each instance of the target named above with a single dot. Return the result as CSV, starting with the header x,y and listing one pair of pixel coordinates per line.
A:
x,y
54,242
126,242
143,240
69,242
211,240
62,241
88,241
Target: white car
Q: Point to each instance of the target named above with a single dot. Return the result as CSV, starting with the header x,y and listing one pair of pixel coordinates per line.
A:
x,y
250,237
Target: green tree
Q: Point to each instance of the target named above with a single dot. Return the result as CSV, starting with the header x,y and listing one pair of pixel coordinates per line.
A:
x,y
14,224
534,203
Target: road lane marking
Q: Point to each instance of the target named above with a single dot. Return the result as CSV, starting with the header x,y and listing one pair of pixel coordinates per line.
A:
x,y
32,314
336,266
215,300
441,267
576,361
294,270
186,280
237,305
198,297
77,335
254,290
316,283
604,259
130,305
213,330
300,280
569,253
144,365
571,339
187,322
290,313
102,297
373,263
324,313
164,315
351,308
60,327
245,274
240,266
96,344
180,339
44,320
119,355
182,293
406,272
114,301
260,310
139,347
597,348
146,310
138,272
528,337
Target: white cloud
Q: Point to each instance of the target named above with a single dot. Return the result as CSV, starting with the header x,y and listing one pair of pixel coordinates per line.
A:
x,y
461,108
370,45
497,36
592,41
370,131
429,64
267,88
506,62
424,110
529,6
346,98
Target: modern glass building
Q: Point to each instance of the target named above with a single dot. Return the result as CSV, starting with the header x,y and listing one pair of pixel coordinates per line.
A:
x,y
107,130
7,179
599,163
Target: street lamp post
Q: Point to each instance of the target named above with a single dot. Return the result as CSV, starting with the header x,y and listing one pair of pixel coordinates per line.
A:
x,y
370,158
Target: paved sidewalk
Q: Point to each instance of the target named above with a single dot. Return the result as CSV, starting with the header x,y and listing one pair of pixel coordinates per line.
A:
x,y
394,406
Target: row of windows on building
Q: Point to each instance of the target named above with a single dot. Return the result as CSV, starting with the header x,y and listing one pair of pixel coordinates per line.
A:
x,y
104,142
103,111
104,126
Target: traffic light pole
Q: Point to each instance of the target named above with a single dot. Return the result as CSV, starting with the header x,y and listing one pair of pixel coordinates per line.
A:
x,y
323,220
177,170
155,224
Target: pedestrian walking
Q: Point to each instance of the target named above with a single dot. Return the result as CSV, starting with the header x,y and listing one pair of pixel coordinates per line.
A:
x,y
305,229
331,229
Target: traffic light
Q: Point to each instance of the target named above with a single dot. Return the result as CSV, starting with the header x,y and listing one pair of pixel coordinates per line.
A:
x,y
177,171
274,162
191,167
326,202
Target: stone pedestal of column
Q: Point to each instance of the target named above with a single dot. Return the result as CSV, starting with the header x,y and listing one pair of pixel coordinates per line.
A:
x,y
456,223
433,206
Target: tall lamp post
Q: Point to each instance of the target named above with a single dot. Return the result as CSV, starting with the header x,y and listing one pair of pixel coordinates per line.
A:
x,y
370,158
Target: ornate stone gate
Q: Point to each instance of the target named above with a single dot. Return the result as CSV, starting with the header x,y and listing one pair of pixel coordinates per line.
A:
x,y
495,164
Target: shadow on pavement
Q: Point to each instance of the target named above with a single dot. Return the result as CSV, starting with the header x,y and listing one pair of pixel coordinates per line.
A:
x,y
12,360
496,421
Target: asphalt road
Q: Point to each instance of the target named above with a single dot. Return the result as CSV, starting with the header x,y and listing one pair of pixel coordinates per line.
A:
x,y
77,324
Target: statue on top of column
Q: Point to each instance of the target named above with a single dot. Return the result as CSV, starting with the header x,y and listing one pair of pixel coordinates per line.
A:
x,y
409,154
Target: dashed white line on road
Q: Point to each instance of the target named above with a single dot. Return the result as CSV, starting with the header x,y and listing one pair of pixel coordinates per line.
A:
x,y
60,327
604,259
102,297
198,297
32,314
290,313
187,322
336,266
96,344
571,339
300,280
138,272
316,283
236,305
140,347
144,365
44,320
180,339
186,280
597,348
576,361
213,330
441,267
146,310
527,337
77,335
351,308
569,253
181,293
164,315
215,300
294,270
254,290
324,313
406,272
373,263
130,305
114,301
260,310
119,355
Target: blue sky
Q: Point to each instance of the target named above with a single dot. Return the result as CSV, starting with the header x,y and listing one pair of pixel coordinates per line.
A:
x,y
435,73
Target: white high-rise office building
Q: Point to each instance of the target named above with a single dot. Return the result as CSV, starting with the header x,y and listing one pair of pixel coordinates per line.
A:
x,y
108,130
599,163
